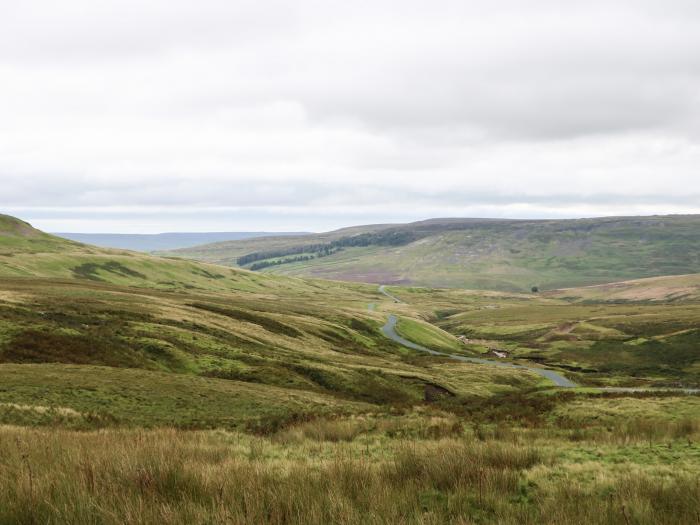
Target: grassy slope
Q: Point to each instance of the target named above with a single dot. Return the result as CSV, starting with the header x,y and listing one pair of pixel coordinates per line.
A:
x,y
503,255
89,396
26,252
427,335
304,341
675,288
207,329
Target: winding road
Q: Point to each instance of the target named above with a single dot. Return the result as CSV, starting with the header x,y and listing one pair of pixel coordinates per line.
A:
x,y
389,330
382,289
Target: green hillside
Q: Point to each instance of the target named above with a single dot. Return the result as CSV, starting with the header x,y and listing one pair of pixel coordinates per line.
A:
x,y
512,255
312,346
17,236
138,389
30,253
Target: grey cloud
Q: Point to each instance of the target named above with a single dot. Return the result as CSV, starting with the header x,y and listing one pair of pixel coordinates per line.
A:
x,y
594,71
508,70
174,194
514,70
89,32
325,103
163,191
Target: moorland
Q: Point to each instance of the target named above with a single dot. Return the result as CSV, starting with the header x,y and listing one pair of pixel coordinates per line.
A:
x,y
483,254
143,389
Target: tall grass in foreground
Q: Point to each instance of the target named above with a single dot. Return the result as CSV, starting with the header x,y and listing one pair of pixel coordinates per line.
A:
x,y
169,476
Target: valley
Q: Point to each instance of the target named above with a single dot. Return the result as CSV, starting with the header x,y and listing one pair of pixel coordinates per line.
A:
x,y
137,389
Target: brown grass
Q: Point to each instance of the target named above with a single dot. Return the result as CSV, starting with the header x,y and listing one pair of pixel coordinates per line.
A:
x,y
319,476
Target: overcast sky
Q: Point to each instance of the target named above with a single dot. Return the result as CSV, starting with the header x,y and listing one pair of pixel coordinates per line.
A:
x,y
224,115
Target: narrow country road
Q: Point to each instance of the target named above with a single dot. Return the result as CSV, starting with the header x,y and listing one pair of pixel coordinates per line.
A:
x,y
389,330
382,289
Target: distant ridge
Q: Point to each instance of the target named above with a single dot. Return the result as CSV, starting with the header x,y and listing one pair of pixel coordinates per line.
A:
x,y
487,254
164,241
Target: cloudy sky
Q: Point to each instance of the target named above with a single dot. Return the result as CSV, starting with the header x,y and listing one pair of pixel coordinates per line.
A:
x,y
219,115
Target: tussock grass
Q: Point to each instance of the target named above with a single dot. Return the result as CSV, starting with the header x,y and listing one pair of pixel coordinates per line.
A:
x,y
414,425
174,476
631,499
324,430
450,464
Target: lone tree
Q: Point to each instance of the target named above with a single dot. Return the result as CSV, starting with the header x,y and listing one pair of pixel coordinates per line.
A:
x,y
535,289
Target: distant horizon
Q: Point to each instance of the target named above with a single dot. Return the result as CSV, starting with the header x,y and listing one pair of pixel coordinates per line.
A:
x,y
223,232
343,226
152,242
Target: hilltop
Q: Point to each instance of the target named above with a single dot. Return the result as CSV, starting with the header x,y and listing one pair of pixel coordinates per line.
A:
x,y
495,254
17,236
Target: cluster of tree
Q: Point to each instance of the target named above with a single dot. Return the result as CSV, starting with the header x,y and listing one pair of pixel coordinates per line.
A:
x,y
283,252
275,262
383,238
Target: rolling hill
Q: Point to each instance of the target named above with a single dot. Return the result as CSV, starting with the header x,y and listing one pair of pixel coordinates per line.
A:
x,y
86,319
141,389
66,303
509,255
28,252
